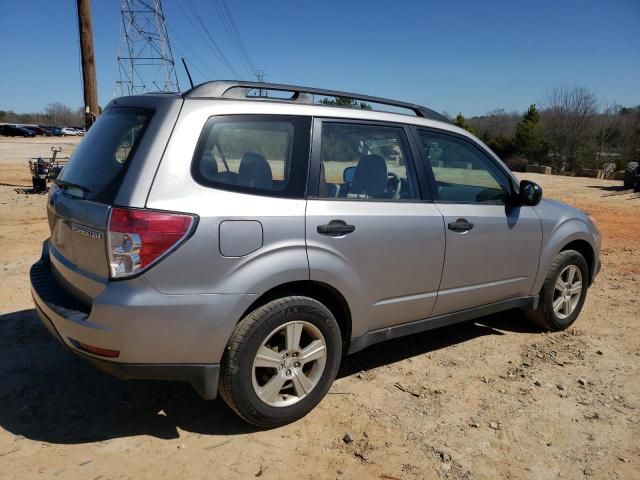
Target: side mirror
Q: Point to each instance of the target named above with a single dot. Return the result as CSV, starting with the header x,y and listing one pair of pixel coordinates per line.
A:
x,y
530,193
348,174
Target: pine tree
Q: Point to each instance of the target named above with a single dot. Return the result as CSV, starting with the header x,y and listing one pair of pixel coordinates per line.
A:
x,y
461,122
529,140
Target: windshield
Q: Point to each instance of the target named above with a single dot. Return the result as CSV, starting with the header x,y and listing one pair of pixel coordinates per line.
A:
x,y
99,163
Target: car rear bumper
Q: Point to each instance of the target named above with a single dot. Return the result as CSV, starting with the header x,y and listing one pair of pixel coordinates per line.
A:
x,y
155,336
203,378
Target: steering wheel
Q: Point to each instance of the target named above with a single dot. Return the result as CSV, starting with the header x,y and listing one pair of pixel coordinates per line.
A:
x,y
393,177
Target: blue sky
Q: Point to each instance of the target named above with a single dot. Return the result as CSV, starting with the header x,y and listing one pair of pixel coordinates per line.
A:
x,y
463,56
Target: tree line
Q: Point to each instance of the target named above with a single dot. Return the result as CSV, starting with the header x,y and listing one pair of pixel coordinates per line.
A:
x,y
571,131
54,115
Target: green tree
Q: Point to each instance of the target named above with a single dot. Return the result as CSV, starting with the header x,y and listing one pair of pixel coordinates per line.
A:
x,y
461,122
502,146
529,139
345,102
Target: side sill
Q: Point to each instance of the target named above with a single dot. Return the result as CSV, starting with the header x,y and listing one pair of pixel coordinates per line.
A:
x,y
384,334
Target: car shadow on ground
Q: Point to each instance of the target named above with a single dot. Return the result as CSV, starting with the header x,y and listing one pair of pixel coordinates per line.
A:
x,y
31,191
48,394
399,349
2,184
609,188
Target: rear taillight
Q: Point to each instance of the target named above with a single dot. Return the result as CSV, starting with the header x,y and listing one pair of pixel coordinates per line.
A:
x,y
139,238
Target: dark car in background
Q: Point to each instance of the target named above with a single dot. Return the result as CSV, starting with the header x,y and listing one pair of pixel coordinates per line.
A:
x,y
36,130
15,131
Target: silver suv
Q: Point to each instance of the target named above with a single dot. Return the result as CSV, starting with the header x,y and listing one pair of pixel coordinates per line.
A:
x,y
244,242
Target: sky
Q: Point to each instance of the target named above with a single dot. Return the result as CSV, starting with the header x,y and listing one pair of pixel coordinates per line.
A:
x,y
463,56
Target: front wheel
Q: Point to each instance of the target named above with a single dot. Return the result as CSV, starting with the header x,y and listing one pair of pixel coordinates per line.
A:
x,y
563,292
280,361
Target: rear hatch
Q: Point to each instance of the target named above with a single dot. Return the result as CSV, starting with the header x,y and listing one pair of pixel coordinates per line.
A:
x,y
80,200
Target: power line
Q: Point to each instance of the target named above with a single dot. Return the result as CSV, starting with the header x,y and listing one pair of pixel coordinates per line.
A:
x,y
227,27
243,46
212,41
234,35
195,54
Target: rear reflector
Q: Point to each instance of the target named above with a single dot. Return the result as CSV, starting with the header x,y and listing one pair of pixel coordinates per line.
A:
x,y
103,352
139,238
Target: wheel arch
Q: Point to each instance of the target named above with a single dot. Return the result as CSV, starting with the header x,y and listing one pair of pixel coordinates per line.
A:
x,y
585,249
322,292
571,234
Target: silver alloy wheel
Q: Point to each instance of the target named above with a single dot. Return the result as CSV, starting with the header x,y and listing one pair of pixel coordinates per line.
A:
x,y
289,363
567,291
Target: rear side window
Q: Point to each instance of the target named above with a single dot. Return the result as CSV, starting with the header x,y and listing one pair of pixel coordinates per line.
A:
x,y
96,168
366,162
257,154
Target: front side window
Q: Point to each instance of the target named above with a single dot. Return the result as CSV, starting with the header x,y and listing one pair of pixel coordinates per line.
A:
x,y
365,162
462,173
254,154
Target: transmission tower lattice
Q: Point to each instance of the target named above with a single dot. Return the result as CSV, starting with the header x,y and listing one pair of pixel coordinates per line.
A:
x,y
145,58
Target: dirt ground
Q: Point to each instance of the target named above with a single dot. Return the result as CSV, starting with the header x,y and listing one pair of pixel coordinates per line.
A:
x,y
482,400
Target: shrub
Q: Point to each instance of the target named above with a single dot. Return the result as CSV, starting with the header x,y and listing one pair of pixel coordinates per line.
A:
x,y
517,164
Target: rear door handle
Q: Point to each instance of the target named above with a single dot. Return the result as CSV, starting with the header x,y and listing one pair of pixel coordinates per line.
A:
x,y
461,225
336,228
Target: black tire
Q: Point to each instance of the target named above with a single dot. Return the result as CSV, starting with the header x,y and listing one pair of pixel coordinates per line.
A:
x,y
636,187
236,387
630,174
544,316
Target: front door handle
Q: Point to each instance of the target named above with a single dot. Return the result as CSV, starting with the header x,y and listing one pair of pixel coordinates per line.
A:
x,y
461,225
336,228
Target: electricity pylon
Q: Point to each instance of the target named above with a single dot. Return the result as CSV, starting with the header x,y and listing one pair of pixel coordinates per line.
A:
x,y
145,58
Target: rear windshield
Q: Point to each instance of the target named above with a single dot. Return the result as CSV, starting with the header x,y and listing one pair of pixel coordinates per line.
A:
x,y
96,168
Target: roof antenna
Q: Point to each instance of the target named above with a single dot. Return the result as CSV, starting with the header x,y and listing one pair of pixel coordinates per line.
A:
x,y
187,70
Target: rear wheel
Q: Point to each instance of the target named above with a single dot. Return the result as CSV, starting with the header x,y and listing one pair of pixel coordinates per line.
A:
x,y
563,292
630,174
281,361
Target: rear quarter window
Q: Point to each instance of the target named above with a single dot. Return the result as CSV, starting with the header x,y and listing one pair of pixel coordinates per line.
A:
x,y
264,155
100,161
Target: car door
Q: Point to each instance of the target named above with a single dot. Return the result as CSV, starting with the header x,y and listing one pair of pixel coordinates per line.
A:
x,y
372,232
492,246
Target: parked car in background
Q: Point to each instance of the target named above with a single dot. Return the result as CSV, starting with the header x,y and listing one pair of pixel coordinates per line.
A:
x,y
243,245
15,131
68,131
56,131
35,129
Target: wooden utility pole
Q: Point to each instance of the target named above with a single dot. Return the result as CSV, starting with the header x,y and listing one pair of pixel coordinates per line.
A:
x,y
85,27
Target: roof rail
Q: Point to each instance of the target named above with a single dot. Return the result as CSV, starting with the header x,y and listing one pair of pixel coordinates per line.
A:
x,y
240,90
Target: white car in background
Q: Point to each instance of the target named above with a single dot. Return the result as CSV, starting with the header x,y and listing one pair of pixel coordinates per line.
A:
x,y
66,131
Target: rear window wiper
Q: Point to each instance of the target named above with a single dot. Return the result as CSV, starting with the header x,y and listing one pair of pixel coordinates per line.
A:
x,y
70,188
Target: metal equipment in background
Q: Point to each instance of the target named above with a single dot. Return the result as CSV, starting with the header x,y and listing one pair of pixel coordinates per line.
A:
x,y
45,169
